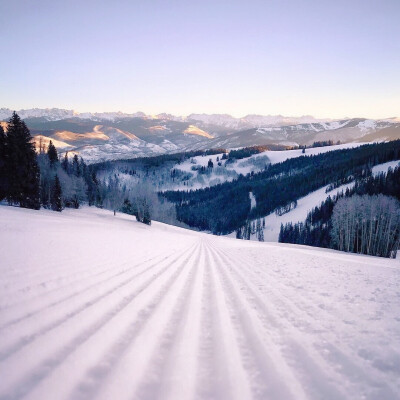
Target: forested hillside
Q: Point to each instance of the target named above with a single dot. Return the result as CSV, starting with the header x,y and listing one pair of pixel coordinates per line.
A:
x,y
226,207
31,179
45,179
364,219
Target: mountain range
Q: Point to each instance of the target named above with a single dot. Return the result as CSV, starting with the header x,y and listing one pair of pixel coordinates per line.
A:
x,y
116,135
220,120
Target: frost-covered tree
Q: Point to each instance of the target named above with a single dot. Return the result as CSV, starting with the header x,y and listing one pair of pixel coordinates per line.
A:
x,y
367,225
259,230
114,194
146,219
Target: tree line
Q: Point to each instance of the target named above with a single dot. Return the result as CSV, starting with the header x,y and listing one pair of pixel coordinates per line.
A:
x,y
364,219
42,178
19,169
33,179
225,207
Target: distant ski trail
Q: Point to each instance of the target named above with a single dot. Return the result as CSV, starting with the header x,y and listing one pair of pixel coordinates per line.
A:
x,y
163,313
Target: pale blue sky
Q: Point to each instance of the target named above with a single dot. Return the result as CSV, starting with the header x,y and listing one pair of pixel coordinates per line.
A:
x,y
327,58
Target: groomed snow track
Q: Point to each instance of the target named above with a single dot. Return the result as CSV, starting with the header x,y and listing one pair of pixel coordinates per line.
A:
x,y
100,307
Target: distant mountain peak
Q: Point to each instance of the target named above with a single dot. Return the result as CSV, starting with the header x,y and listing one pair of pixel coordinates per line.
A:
x,y
222,120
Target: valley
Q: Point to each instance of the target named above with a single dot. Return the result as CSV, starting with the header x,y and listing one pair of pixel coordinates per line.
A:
x,y
199,200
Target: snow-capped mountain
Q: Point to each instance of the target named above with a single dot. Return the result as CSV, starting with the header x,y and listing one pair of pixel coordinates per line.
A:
x,y
50,114
345,131
57,114
106,136
250,121
217,120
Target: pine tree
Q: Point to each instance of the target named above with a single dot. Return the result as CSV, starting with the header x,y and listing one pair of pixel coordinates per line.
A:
x,y
259,231
22,167
56,195
3,173
52,154
76,167
65,163
146,214
42,146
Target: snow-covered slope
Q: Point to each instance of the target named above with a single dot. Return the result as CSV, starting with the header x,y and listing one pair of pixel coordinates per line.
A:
x,y
41,140
231,170
100,307
299,214
280,156
383,168
350,130
250,121
307,203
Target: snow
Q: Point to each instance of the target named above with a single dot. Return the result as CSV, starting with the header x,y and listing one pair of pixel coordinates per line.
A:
x,y
216,175
334,124
280,156
253,202
251,121
223,120
367,125
299,214
198,161
383,168
232,170
103,307
307,203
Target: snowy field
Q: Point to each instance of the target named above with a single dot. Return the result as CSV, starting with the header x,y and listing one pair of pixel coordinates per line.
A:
x,y
100,307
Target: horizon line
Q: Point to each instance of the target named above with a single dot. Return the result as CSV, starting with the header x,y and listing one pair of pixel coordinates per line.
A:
x,y
196,113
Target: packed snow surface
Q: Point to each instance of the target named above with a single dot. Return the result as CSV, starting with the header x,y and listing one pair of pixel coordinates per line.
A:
x,y
383,168
94,306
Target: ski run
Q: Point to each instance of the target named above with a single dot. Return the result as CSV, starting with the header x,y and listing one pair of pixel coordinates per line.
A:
x,y
94,306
